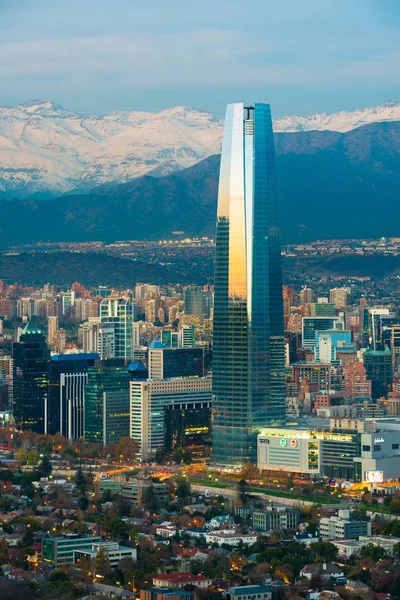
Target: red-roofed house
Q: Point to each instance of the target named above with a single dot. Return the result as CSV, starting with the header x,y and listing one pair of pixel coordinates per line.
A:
x,y
179,580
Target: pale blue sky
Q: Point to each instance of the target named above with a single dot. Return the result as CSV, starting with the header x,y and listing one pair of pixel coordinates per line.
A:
x,y
304,56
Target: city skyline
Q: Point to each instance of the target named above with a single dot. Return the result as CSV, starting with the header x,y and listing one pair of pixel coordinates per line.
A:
x,y
248,353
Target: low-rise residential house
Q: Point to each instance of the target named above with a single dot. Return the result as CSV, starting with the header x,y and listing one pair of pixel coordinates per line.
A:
x,y
249,592
357,587
222,521
189,554
110,591
179,580
13,539
192,508
325,571
166,531
196,532
166,594
230,538
306,538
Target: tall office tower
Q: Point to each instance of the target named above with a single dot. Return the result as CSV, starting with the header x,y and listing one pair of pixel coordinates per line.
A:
x,y
67,379
307,296
31,361
248,347
198,303
1,326
107,402
169,413
120,311
378,365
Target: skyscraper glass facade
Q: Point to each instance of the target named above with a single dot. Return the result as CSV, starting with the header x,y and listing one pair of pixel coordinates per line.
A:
x,y
248,346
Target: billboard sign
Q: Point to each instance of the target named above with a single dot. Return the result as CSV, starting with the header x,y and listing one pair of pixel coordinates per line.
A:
x,y
374,476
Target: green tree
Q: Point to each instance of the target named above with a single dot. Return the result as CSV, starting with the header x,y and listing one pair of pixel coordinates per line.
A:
x,y
377,553
126,449
183,488
102,565
57,577
395,506
178,455
128,567
160,455
3,551
80,480
149,499
216,566
44,467
134,537
395,589
323,552
117,528
243,490
83,503
187,457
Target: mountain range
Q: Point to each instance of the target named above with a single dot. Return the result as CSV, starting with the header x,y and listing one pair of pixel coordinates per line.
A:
x,y
331,185
48,150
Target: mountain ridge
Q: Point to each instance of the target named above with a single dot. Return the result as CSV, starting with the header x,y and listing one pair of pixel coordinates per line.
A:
x,y
49,150
330,186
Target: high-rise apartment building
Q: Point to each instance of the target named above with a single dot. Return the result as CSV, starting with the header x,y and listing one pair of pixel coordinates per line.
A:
x,y
339,297
307,296
120,312
52,328
248,342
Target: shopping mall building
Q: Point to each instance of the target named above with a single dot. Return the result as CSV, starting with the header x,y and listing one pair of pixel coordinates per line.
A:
x,y
348,450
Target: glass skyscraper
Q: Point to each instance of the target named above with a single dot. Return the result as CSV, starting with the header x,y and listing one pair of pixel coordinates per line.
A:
x,y
248,343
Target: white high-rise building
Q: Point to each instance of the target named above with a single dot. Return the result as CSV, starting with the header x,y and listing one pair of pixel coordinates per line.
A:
x,y
120,312
148,402
52,329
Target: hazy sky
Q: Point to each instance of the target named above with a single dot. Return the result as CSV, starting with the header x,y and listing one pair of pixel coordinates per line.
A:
x,y
304,56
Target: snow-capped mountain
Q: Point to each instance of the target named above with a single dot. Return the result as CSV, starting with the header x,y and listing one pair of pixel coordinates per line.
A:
x,y
44,147
340,121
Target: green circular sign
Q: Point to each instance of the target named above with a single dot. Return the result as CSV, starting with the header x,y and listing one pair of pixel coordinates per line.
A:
x,y
283,443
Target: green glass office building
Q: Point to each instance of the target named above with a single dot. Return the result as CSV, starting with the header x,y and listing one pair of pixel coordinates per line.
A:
x,y
248,343
107,402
